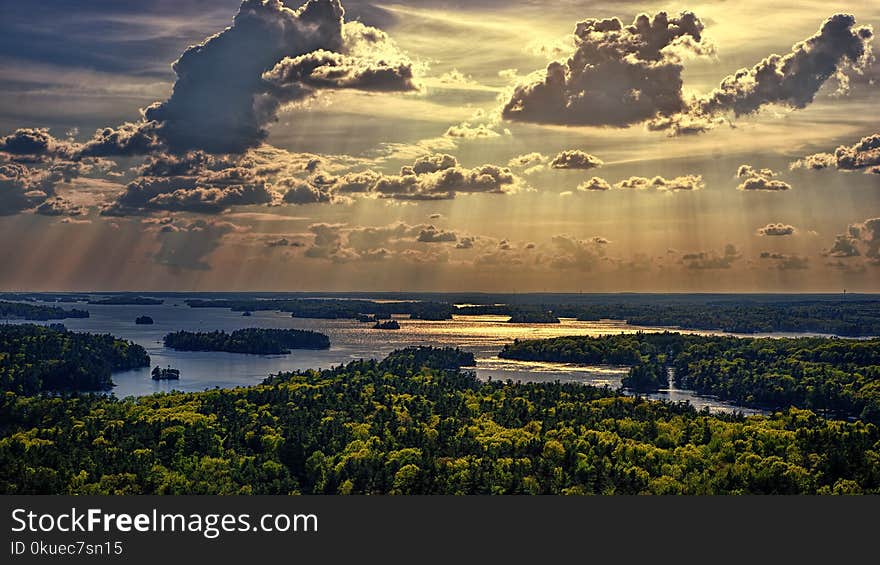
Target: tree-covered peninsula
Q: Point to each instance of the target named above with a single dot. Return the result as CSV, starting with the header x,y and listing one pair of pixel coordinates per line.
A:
x,y
36,359
37,312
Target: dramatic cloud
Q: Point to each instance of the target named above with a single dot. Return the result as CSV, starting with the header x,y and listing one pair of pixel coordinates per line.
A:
x,y
707,260
844,246
302,192
575,159
759,179
794,79
790,80
776,230
231,85
864,155
787,262
618,75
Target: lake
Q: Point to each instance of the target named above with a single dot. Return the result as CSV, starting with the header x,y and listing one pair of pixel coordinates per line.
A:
x,y
484,336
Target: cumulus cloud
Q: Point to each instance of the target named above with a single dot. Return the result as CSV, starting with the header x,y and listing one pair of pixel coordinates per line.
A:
x,y
793,79
35,142
527,160
787,262
661,184
708,260
466,130
864,155
759,179
433,177
209,192
777,229
230,86
595,183
58,206
575,159
860,239
618,74
434,235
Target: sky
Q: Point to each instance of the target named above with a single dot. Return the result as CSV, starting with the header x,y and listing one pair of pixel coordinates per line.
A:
x,y
432,145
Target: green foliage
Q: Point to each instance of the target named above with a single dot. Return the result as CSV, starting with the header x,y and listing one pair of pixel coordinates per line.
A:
x,y
839,377
401,426
36,358
250,340
36,312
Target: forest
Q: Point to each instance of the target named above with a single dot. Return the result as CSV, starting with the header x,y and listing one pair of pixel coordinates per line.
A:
x,y
249,340
35,359
852,318
125,300
834,377
333,308
415,424
36,312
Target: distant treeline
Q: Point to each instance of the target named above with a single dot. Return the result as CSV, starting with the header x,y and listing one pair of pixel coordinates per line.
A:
x,y
333,309
250,340
839,377
852,318
127,301
38,313
35,359
412,424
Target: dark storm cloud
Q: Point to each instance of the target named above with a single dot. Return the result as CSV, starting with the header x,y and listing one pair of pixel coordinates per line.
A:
x,y
759,179
794,79
618,75
864,155
124,141
844,246
575,159
776,230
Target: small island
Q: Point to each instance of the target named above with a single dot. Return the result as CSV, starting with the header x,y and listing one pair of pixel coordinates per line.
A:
x,y
168,374
389,325
533,317
246,313
251,340
366,318
143,320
